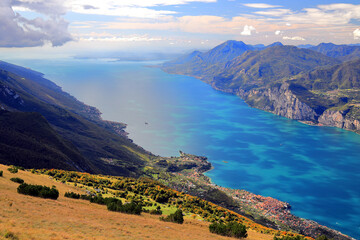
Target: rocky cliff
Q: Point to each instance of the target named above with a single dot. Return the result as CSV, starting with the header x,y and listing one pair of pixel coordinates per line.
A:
x,y
283,101
340,119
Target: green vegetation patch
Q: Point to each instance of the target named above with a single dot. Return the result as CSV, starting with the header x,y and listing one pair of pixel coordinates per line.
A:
x,y
17,180
231,229
129,208
12,169
289,238
38,191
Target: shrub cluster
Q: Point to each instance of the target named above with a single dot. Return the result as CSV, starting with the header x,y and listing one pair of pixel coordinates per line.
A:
x,y
231,229
322,237
298,237
38,191
13,169
130,208
1,173
17,180
176,217
72,195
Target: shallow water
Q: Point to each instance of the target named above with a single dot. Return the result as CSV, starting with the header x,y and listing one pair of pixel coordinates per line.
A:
x,y
315,169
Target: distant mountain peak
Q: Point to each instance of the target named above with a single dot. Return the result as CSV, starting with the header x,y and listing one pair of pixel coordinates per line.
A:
x,y
276,44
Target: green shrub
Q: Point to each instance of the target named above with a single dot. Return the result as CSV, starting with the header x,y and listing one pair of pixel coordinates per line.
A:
x,y
13,169
298,237
98,200
17,180
130,208
85,197
231,229
72,195
1,173
38,191
176,217
322,237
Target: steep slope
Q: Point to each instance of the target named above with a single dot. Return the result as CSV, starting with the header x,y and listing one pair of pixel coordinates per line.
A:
x,y
28,140
97,143
341,76
259,68
341,52
43,89
209,63
226,52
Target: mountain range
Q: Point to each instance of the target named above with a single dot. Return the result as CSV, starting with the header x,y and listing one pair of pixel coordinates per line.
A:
x,y
315,84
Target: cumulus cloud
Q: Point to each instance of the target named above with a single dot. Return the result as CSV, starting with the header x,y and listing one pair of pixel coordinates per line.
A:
x,y
278,32
18,31
356,33
247,30
296,38
260,5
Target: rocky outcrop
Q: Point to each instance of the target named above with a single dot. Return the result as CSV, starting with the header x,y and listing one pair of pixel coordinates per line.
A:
x,y
339,119
9,97
287,104
282,101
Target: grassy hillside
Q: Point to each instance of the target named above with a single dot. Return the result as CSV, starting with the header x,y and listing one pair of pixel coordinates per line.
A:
x,y
29,217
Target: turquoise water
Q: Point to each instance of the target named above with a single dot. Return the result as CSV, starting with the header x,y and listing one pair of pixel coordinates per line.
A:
x,y
315,169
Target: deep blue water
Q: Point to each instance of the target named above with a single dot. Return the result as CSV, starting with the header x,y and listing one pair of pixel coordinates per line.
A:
x,y
315,169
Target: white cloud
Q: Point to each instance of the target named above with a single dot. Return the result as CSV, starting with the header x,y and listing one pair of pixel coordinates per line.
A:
x,y
247,30
260,5
297,38
18,31
274,12
356,33
278,32
134,3
126,8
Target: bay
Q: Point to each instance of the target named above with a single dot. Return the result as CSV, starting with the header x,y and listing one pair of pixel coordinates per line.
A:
x,y
315,169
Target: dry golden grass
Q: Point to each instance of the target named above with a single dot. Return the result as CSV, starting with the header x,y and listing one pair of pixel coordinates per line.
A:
x,y
36,218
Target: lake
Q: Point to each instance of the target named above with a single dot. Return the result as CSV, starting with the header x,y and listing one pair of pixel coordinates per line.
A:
x,y
315,169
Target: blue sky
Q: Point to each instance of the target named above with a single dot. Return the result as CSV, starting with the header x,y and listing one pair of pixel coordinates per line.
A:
x,y
65,27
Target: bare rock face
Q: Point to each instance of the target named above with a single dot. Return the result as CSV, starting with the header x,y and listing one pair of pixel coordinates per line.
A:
x,y
288,105
339,119
282,101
